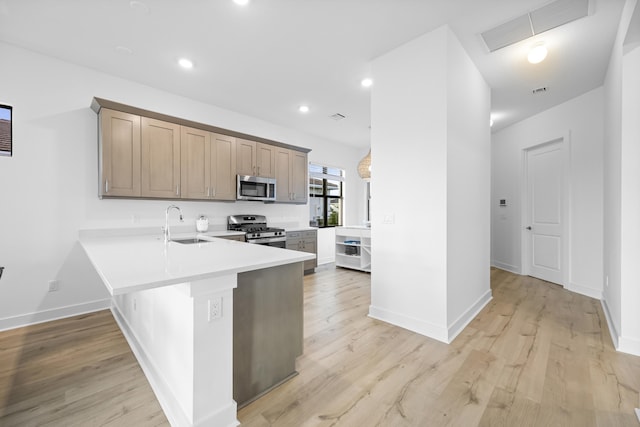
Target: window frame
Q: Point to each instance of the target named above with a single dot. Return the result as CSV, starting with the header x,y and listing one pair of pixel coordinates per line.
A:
x,y
325,197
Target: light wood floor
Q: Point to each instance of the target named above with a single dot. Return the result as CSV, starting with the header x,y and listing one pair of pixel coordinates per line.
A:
x,y
537,355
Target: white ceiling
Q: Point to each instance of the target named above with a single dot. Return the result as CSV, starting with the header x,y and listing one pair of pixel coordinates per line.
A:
x,y
269,57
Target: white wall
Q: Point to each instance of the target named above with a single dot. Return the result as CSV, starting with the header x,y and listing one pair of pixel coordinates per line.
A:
x,y
468,188
419,149
622,188
582,119
49,186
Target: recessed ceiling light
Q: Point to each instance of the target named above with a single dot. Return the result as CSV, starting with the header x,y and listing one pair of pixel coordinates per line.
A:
x,y
124,50
185,63
303,108
367,82
241,2
537,53
139,6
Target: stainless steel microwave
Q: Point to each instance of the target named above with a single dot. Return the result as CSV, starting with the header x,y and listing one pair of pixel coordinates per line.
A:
x,y
256,188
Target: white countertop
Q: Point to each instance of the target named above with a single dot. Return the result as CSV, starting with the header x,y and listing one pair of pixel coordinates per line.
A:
x,y
134,263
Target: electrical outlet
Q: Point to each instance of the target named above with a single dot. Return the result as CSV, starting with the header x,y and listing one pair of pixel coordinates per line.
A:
x,y
215,308
54,285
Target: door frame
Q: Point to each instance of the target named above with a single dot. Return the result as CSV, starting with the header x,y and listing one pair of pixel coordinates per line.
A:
x,y
564,142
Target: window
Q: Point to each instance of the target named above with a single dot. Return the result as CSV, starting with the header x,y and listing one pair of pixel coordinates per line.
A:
x,y
325,196
5,130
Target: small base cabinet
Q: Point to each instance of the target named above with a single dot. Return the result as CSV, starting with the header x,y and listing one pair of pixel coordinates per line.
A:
x,y
304,241
353,248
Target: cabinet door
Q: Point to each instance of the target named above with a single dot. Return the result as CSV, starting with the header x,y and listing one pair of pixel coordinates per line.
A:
x,y
299,177
160,159
265,160
120,154
223,167
283,175
195,167
245,157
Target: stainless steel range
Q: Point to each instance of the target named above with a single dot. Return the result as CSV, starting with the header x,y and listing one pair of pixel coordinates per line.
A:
x,y
256,230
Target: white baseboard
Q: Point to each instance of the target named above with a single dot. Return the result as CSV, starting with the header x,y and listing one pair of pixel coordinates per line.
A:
x,y
419,326
53,314
170,406
326,260
586,291
461,322
169,403
507,267
629,345
612,326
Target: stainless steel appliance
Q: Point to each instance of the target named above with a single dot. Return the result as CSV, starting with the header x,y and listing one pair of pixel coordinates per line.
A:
x,y
256,230
256,188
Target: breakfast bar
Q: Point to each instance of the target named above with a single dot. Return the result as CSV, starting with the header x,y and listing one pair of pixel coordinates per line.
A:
x,y
174,303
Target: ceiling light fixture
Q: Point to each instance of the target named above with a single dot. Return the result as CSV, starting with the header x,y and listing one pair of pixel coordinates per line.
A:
x,y
367,82
185,63
537,53
303,108
241,2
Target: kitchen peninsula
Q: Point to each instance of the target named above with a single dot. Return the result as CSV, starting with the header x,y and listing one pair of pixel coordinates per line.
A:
x,y
175,305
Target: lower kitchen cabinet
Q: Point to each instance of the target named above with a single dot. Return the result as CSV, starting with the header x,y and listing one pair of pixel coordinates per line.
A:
x,y
353,248
304,241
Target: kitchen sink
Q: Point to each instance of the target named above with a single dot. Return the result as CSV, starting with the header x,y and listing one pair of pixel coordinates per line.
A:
x,y
191,241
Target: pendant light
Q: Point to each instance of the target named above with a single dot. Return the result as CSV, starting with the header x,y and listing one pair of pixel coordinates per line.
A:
x,y
364,167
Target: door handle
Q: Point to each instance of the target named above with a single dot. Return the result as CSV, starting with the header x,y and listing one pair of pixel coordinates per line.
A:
x,y
529,228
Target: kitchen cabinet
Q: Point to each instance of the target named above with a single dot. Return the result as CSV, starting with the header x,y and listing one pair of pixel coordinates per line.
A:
x,y
160,158
119,152
144,154
208,165
195,158
353,248
304,241
255,158
291,176
239,237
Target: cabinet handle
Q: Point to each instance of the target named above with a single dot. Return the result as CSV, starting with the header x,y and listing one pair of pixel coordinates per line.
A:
x,y
178,190
258,170
106,185
208,191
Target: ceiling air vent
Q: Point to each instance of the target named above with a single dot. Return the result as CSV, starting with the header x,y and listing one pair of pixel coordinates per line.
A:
x,y
552,15
337,116
539,90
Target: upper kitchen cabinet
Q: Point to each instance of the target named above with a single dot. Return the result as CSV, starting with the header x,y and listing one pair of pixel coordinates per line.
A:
x,y
255,158
146,154
291,176
223,167
208,165
195,163
160,159
119,143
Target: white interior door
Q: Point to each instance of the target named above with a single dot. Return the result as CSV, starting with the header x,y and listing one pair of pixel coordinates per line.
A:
x,y
545,207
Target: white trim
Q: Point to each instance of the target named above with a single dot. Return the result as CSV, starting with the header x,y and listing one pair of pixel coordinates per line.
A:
x,y
507,267
170,406
53,314
629,345
584,290
612,326
461,322
418,326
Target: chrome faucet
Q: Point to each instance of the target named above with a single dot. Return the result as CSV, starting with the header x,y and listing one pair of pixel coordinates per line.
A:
x,y
167,233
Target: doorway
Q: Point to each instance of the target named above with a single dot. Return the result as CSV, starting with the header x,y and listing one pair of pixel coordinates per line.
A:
x,y
545,236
